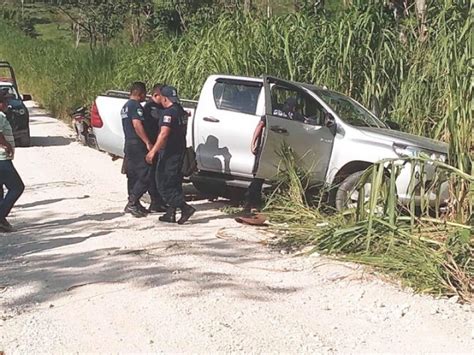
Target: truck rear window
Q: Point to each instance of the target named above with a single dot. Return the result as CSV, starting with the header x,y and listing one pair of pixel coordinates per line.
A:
x,y
236,97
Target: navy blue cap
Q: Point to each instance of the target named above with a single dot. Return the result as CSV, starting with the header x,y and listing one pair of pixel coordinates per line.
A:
x,y
170,92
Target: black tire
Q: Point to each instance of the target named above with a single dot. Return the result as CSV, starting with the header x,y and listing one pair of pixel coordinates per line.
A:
x,y
346,187
214,190
235,194
206,188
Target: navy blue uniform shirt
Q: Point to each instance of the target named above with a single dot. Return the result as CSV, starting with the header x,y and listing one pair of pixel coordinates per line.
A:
x,y
152,113
132,110
177,119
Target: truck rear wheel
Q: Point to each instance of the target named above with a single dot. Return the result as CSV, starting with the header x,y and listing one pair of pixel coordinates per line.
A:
x,y
206,189
213,190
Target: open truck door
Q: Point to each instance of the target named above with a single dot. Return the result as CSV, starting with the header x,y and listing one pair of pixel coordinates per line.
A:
x,y
295,117
224,126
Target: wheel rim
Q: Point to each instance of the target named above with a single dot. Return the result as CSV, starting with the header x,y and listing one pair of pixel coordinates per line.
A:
x,y
353,197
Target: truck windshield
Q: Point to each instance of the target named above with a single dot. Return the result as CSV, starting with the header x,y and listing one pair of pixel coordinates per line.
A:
x,y
9,91
349,110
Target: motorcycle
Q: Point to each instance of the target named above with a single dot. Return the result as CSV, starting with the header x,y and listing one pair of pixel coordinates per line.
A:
x,y
82,125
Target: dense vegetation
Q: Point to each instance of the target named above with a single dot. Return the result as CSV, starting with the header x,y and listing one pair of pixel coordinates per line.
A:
x,y
414,69
426,251
425,85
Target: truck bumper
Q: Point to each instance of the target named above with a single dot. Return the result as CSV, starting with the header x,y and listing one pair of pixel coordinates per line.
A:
x,y
435,193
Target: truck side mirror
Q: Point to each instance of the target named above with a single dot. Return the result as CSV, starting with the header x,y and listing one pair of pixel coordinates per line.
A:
x,y
393,125
330,122
27,97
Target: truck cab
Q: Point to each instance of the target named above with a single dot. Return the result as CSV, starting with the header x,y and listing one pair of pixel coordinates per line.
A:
x,y
334,137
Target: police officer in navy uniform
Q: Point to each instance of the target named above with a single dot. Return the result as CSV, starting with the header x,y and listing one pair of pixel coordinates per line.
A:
x,y
169,151
152,113
137,145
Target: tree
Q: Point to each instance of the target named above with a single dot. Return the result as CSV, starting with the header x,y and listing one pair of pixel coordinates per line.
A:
x,y
177,15
99,20
140,20
421,13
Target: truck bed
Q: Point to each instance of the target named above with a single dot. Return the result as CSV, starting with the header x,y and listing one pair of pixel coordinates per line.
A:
x,y
110,136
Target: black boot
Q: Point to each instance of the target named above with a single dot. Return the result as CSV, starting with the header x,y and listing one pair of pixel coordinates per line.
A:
x,y
186,212
142,208
134,210
5,227
133,207
169,216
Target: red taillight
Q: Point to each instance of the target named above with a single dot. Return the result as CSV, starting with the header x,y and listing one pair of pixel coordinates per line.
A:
x,y
96,121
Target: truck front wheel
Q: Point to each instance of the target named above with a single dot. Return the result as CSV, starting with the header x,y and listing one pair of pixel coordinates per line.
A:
x,y
346,195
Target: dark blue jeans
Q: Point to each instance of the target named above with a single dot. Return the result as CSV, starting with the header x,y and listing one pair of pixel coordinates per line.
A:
x,y
11,180
153,187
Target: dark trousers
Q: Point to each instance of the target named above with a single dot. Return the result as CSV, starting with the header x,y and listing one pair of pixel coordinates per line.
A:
x,y
137,170
9,177
169,179
153,188
254,192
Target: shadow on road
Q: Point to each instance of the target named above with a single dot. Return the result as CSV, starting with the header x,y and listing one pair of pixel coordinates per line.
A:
x,y
55,255
50,201
50,141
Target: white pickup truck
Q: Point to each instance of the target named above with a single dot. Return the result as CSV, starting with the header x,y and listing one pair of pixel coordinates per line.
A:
x,y
335,137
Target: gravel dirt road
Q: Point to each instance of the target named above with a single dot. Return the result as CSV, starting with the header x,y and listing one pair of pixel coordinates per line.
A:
x,y
80,276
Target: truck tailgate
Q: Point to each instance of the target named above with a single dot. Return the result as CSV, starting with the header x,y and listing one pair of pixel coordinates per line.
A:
x,y
110,136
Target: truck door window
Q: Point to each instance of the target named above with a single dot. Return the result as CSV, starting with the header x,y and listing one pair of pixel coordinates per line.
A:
x,y
236,97
9,91
297,106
